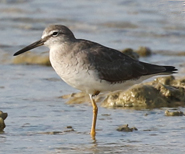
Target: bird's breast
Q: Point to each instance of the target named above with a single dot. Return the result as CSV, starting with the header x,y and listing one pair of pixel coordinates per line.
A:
x,y
73,70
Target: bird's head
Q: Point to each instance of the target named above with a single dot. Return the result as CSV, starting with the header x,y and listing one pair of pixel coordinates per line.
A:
x,y
53,34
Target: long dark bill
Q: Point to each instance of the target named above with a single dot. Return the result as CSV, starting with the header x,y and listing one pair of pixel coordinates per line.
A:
x,y
31,46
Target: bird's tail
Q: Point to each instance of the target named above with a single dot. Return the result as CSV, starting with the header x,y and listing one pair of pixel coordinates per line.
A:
x,y
158,69
170,69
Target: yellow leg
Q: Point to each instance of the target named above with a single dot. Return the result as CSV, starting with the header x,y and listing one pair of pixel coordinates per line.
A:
x,y
95,112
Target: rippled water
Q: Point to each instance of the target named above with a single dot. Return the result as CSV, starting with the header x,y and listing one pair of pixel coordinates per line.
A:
x,y
38,118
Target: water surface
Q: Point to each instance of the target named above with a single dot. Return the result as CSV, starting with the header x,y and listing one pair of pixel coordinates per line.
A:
x,y
38,118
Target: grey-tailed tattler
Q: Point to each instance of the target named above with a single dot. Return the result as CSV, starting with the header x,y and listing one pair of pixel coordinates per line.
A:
x,y
92,67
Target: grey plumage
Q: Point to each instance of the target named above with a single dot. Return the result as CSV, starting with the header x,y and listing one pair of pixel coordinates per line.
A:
x,y
113,66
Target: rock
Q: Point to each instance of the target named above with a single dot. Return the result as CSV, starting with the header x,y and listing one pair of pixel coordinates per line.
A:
x,y
76,98
3,116
139,96
69,127
2,124
81,97
162,92
125,128
144,51
130,52
32,58
174,113
168,80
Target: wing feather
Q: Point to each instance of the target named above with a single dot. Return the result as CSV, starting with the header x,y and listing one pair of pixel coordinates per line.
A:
x,y
113,66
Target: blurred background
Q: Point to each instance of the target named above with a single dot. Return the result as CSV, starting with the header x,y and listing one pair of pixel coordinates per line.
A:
x,y
30,93
158,24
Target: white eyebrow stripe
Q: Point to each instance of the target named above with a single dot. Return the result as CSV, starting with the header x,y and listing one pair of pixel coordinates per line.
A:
x,y
51,32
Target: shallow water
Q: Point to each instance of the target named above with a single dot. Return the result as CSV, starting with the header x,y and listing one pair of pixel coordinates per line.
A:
x,y
38,118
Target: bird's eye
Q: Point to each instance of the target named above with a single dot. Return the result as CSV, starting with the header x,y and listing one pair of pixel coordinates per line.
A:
x,y
55,33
